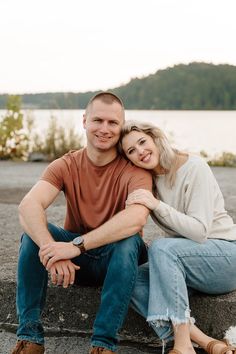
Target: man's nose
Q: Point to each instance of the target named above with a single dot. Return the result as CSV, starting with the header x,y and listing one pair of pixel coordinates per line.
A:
x,y
104,128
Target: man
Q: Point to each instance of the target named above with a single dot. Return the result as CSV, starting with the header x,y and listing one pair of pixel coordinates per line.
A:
x,y
100,242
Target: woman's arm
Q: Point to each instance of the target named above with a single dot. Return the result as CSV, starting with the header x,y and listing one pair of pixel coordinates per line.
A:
x,y
198,196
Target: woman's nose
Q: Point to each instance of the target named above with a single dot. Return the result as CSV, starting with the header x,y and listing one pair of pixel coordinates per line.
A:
x,y
140,151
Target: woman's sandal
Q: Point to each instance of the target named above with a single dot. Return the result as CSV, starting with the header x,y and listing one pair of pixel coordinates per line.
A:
x,y
213,343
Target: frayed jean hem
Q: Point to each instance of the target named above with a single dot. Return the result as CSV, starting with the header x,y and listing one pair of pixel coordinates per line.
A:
x,y
163,321
96,343
163,325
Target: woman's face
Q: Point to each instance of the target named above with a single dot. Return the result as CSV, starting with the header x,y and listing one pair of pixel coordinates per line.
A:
x,y
141,150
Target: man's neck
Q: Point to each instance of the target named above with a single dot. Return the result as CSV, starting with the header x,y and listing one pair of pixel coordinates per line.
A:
x,y
101,158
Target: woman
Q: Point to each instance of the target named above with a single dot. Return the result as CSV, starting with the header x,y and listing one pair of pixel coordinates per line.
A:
x,y
199,249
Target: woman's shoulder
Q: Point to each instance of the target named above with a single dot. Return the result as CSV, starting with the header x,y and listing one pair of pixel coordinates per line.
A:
x,y
196,160
197,165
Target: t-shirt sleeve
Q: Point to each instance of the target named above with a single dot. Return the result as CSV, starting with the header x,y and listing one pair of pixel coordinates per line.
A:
x,y
54,174
140,179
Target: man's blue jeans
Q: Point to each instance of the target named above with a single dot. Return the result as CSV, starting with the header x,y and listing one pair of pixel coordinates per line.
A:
x,y
114,265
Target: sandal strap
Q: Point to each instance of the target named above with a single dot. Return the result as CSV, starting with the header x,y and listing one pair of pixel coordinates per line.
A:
x,y
213,343
174,351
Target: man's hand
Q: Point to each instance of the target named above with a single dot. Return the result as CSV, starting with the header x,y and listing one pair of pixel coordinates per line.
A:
x,y
63,273
55,251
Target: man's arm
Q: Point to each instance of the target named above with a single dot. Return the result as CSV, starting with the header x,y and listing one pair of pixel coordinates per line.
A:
x,y
122,225
32,211
34,222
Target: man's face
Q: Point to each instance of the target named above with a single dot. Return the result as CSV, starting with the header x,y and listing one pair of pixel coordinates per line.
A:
x,y
103,124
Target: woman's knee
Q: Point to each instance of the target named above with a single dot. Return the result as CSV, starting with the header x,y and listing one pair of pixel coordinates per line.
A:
x,y
163,246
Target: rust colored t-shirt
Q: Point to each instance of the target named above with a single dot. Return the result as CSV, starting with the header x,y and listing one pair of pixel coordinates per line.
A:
x,y
94,193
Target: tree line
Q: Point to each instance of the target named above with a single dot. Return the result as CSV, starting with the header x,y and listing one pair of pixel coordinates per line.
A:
x,y
196,86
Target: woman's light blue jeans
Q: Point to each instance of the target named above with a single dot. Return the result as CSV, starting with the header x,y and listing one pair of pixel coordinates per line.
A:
x,y
115,266
175,266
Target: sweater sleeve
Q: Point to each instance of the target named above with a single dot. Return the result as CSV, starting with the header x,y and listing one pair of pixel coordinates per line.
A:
x,y
198,193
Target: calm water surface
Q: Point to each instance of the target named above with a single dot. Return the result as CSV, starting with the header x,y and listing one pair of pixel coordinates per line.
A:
x,y
211,131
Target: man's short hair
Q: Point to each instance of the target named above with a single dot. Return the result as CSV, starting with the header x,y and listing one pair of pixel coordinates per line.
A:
x,y
106,97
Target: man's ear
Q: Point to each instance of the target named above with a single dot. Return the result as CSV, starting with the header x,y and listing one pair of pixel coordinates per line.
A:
x,y
84,121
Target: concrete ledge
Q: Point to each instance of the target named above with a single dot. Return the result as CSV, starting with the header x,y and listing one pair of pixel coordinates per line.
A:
x,y
72,311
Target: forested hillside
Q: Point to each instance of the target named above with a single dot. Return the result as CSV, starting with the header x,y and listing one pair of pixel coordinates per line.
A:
x,y
198,86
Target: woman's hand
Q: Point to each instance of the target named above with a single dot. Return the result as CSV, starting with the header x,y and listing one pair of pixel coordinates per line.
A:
x,y
144,197
55,251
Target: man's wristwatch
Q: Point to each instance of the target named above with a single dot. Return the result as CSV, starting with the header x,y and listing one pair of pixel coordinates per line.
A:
x,y
79,242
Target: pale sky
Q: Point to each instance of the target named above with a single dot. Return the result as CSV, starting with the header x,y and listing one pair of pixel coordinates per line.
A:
x,y
81,45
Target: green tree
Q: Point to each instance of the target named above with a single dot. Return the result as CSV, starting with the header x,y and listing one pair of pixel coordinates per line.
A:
x,y
13,140
57,141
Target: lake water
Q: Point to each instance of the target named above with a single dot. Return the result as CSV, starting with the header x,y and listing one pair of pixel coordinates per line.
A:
x,y
211,131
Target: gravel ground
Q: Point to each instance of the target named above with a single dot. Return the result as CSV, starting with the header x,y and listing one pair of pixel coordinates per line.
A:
x,y
69,345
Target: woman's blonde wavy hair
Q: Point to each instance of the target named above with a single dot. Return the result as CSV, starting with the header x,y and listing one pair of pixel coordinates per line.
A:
x,y
168,155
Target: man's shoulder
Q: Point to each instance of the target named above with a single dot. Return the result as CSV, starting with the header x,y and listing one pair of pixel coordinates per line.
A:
x,y
133,170
71,158
130,166
73,155
65,162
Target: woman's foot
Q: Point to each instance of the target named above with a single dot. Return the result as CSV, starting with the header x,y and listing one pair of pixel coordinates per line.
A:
x,y
209,344
219,347
182,341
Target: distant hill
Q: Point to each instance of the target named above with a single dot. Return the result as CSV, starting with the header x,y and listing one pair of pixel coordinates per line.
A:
x,y
198,86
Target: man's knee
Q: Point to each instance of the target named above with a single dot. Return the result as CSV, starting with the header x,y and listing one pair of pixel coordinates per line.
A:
x,y
28,245
130,249
129,244
54,231
59,234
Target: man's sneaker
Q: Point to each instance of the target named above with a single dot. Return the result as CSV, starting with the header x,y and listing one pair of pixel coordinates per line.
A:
x,y
26,347
100,350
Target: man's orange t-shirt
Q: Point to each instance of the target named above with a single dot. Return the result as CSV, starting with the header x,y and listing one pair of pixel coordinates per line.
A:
x,y
94,193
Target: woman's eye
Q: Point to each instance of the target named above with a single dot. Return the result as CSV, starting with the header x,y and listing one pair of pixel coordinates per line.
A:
x,y
130,151
142,141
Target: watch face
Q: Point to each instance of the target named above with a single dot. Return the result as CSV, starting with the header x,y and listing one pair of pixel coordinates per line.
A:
x,y
78,240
